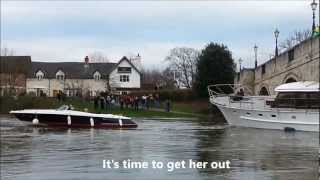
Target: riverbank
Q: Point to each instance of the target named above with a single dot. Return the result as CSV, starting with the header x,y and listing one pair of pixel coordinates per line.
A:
x,y
178,110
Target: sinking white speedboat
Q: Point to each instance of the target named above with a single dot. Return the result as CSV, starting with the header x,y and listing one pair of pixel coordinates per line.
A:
x,y
66,117
295,107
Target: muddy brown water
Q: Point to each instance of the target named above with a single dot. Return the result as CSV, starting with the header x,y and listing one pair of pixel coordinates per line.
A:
x,y
29,152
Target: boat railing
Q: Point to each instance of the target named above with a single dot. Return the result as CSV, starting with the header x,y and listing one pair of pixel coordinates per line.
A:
x,y
227,89
65,107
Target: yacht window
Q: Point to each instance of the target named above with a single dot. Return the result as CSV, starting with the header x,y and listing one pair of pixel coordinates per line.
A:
x,y
260,114
293,117
290,99
314,95
273,115
314,100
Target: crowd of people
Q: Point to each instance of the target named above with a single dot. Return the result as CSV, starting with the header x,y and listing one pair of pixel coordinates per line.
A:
x,y
108,102
104,102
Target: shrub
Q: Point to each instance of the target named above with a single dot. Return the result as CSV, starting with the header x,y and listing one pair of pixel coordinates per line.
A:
x,y
9,103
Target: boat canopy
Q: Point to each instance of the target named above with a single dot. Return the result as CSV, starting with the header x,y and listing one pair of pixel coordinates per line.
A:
x,y
302,86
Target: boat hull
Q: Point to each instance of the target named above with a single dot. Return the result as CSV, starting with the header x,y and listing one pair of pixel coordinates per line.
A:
x,y
73,120
271,119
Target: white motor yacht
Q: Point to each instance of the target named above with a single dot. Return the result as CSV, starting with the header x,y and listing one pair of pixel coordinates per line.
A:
x,y
66,117
294,107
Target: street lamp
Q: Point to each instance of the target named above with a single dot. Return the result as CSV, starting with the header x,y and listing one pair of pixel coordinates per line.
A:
x,y
240,61
276,35
255,56
314,8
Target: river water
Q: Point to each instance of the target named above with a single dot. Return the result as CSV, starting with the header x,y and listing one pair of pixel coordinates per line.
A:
x,y
49,153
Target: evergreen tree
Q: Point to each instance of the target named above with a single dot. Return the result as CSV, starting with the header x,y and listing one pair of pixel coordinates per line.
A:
x,y
215,66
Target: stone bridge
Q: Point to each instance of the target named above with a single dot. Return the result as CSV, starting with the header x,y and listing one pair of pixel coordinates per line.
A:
x,y
300,63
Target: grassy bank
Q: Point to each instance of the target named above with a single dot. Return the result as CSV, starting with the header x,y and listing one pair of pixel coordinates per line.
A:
x,y
81,105
181,109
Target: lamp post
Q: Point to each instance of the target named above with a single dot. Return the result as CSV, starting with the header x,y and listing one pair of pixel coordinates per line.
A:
x,y
240,61
314,8
255,56
276,35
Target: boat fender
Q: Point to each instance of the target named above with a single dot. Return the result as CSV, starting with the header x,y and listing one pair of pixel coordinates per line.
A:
x,y
120,122
91,122
289,129
69,120
35,121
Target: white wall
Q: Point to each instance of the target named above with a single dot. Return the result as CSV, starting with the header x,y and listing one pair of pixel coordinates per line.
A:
x,y
49,85
134,77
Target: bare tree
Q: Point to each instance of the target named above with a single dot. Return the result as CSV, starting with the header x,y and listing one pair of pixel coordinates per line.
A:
x,y
296,38
183,61
151,76
169,78
160,79
98,56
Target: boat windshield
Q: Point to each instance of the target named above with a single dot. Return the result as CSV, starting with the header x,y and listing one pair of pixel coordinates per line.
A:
x,y
63,107
309,100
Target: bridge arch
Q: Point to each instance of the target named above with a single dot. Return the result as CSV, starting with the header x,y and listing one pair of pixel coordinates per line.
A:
x,y
290,77
290,80
264,91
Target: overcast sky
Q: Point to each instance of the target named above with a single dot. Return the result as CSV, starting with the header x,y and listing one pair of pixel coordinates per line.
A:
x,y
70,30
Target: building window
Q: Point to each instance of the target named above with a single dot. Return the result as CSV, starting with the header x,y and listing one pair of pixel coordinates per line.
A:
x,y
60,75
39,75
263,69
97,76
124,69
124,93
238,76
291,55
124,78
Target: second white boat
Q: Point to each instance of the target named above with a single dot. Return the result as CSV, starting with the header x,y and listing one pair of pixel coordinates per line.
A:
x,y
295,107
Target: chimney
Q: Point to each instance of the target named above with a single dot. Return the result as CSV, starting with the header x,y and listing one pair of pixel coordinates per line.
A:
x,y
136,61
86,60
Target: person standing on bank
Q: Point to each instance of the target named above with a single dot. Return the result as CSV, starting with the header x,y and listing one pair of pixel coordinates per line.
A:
x,y
108,102
102,102
112,102
136,103
168,105
96,102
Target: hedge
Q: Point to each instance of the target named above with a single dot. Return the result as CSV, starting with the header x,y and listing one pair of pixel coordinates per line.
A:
x,y
9,103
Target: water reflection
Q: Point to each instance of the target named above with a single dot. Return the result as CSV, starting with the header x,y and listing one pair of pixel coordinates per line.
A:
x,y
48,153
